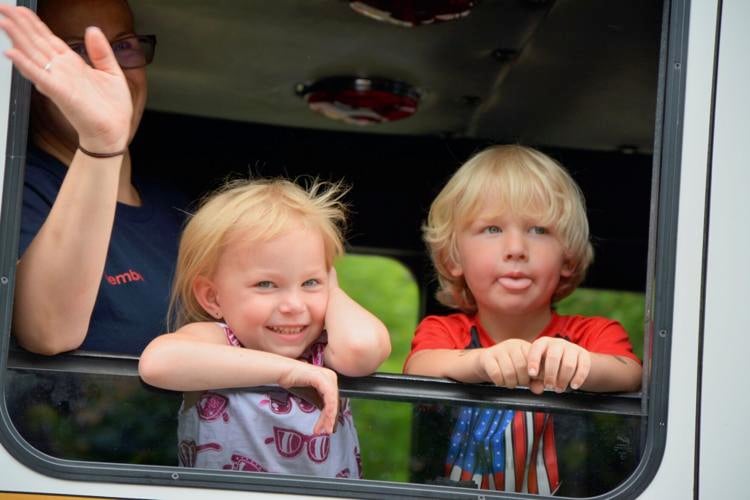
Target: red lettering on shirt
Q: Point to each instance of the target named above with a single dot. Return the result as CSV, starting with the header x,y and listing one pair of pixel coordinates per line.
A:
x,y
123,278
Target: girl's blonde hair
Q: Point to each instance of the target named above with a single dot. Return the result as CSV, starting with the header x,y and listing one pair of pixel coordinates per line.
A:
x,y
517,179
255,210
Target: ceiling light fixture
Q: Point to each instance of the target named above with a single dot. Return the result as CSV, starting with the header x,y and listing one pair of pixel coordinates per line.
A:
x,y
360,101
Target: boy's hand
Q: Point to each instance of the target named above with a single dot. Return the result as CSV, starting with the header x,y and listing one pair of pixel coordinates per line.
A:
x,y
325,382
556,363
505,364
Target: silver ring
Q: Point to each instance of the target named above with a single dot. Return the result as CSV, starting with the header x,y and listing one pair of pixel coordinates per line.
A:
x,y
48,66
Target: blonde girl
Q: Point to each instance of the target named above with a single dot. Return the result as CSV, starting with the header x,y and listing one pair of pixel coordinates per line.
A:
x,y
256,302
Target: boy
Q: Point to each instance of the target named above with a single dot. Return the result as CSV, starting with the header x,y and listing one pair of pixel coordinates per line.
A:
x,y
508,236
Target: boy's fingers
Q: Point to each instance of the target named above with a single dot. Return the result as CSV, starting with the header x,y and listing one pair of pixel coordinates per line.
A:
x,y
534,358
521,369
552,360
582,373
493,371
536,386
568,367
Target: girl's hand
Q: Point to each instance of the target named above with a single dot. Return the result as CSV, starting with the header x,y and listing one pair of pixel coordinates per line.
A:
x,y
504,364
95,100
325,382
557,364
333,279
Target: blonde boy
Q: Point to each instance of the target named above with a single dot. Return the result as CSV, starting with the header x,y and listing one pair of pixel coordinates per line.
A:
x,y
508,236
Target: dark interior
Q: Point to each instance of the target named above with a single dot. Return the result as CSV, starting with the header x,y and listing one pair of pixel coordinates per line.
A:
x,y
576,79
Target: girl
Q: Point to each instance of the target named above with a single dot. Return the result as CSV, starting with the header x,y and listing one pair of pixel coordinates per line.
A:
x,y
257,303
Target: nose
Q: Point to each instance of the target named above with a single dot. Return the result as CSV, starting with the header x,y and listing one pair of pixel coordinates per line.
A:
x,y
514,246
291,303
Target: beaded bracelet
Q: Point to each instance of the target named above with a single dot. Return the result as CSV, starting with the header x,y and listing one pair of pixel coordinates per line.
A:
x,y
101,155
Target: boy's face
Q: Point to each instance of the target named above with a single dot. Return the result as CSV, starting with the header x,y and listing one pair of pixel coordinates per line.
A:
x,y
511,264
273,294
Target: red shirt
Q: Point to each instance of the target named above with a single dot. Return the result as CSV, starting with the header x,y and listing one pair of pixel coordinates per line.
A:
x,y
595,334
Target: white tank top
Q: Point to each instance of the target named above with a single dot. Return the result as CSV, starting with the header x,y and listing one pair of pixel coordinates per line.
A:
x,y
271,431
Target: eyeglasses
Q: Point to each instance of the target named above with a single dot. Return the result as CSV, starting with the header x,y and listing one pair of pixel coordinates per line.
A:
x,y
289,444
134,51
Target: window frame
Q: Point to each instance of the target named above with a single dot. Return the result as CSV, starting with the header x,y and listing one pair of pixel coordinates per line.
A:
x,y
654,399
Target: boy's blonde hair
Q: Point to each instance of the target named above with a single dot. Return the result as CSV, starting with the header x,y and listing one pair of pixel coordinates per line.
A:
x,y
255,210
523,181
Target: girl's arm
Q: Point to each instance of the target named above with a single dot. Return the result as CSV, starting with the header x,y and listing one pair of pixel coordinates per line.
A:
x,y
358,342
196,357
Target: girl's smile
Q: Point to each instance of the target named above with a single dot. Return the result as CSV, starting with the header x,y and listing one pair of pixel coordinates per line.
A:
x,y
273,294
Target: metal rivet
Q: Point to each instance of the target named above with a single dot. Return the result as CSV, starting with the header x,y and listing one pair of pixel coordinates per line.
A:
x,y
4,280
175,476
662,333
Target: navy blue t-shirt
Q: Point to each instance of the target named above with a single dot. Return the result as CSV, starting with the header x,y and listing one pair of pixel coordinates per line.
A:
x,y
133,296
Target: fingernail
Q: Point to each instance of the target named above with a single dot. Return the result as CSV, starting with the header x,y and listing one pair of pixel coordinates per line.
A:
x,y
532,372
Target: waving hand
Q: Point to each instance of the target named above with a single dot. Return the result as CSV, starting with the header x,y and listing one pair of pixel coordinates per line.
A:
x,y
95,100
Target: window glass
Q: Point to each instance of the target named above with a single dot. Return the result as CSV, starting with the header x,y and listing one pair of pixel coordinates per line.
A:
x,y
386,288
105,418
494,95
100,418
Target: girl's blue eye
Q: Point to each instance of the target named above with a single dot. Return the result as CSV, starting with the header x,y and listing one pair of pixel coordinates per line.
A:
x,y
311,282
492,229
264,284
538,230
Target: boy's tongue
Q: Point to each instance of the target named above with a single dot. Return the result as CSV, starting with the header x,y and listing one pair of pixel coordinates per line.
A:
x,y
515,283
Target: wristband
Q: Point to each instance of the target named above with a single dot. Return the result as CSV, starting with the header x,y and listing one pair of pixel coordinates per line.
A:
x,y
101,155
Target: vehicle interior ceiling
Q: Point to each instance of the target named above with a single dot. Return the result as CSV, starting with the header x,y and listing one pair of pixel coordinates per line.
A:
x,y
576,79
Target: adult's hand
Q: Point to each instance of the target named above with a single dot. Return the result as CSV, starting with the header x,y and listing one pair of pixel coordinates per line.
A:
x,y
95,100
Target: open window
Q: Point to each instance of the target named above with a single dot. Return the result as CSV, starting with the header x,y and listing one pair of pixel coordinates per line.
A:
x,y
392,101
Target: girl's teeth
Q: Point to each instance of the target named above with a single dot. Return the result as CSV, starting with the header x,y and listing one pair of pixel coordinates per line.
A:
x,y
286,331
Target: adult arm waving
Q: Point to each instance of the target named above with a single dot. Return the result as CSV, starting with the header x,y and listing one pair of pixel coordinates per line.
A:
x,y
59,274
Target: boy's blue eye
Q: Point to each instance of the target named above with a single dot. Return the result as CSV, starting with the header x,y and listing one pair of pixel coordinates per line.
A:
x,y
311,282
492,229
538,230
264,284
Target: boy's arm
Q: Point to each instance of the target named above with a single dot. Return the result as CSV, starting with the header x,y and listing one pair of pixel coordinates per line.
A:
x,y
196,357
613,373
358,342
456,364
503,364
